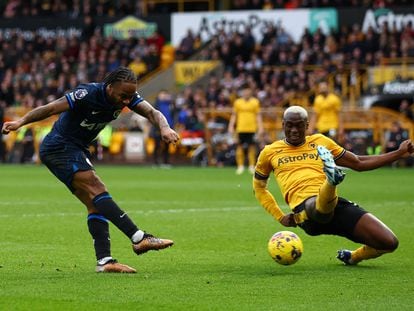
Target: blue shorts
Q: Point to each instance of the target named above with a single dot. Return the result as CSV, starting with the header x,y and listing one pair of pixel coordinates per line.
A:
x,y
64,159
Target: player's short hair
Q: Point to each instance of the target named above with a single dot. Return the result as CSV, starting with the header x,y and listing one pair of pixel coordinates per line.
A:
x,y
121,74
296,109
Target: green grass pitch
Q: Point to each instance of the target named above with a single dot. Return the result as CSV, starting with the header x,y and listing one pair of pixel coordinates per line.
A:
x,y
219,260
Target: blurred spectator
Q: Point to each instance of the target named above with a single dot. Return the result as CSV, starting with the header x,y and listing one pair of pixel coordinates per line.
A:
x,y
189,119
393,138
6,90
138,66
2,145
246,121
12,8
157,39
374,148
23,150
165,104
88,28
326,117
406,109
28,148
152,58
222,143
186,46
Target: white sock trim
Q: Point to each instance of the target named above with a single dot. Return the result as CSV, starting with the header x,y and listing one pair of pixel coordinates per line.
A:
x,y
104,260
138,236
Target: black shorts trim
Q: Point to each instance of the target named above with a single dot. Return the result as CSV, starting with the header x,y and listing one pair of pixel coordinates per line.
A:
x,y
246,138
346,216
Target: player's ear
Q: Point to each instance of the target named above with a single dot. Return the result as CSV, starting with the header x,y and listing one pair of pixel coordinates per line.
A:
x,y
109,88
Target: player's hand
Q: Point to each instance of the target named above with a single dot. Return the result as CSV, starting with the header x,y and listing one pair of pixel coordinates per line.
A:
x,y
406,148
10,126
169,135
288,220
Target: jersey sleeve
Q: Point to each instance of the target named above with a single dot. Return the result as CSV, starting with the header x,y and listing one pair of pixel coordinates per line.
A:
x,y
263,165
260,181
78,96
336,150
135,100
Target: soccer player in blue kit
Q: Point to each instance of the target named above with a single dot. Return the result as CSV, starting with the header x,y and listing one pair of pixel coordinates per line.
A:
x,y
84,112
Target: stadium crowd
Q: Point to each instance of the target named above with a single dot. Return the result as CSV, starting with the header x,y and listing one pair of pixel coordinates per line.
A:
x,y
32,70
76,8
278,68
280,71
295,4
71,8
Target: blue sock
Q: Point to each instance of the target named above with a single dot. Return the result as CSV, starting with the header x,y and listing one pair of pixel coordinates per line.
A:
x,y
99,229
110,210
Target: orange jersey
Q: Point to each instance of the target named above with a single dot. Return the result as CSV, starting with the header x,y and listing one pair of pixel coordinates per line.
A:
x,y
246,112
298,169
327,109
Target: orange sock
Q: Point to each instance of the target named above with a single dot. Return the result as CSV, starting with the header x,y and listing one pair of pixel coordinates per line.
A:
x,y
252,155
326,199
366,252
239,156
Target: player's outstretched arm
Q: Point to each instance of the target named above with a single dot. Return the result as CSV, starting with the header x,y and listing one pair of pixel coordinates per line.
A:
x,y
37,114
269,203
146,110
366,163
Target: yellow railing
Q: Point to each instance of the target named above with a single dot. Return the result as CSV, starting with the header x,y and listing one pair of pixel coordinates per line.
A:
x,y
377,119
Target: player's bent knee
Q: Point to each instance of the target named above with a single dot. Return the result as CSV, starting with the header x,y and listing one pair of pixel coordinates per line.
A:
x,y
387,244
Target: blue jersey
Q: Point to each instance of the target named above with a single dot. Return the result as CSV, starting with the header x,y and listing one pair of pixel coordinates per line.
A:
x,y
89,113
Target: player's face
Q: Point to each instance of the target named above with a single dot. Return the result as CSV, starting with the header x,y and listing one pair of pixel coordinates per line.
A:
x,y
246,93
323,88
121,93
295,128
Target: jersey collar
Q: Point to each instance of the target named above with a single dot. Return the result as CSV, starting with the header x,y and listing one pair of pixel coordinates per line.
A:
x,y
287,143
104,95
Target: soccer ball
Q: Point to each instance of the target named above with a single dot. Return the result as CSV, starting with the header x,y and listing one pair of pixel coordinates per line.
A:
x,y
285,247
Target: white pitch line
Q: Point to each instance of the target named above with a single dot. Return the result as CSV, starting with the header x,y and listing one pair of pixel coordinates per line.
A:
x,y
144,212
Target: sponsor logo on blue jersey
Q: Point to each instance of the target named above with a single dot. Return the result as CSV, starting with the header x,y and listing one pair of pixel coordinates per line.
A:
x,y
80,93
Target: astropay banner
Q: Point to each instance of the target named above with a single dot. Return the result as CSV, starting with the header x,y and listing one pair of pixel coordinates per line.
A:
x,y
208,24
397,17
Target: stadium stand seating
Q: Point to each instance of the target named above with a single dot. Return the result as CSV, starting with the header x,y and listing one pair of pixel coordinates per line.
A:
x,y
281,72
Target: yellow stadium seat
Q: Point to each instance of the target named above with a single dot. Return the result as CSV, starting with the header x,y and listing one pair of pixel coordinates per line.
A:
x,y
167,56
150,145
117,142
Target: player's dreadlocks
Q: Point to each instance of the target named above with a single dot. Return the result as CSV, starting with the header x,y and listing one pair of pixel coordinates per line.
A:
x,y
121,74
